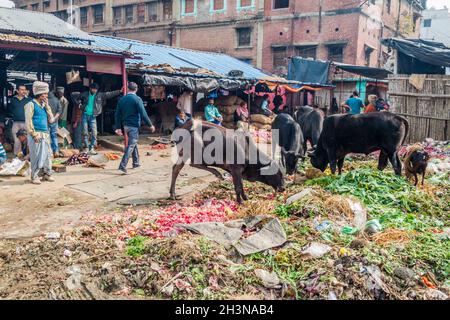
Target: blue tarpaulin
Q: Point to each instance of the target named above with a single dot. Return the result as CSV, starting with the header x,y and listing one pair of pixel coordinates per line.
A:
x,y
310,72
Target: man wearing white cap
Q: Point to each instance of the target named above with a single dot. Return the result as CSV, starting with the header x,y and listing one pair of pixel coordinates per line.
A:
x,y
38,115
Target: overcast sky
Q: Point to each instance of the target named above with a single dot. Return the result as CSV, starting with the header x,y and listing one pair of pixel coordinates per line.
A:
x,y
438,4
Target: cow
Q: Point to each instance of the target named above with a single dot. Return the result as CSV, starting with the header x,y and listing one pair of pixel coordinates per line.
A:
x,y
241,165
311,122
360,133
290,140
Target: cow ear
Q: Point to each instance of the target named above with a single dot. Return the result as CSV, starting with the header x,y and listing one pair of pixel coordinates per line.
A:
x,y
310,153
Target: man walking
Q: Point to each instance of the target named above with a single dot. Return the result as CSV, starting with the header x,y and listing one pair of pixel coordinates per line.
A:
x,y
54,104
354,103
129,113
37,116
16,109
92,105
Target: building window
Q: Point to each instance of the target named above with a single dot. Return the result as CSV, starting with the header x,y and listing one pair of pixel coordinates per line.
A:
x,y
336,53
388,6
35,6
244,37
83,16
427,23
167,10
46,4
188,7
141,12
280,4
63,15
279,57
245,4
98,13
117,15
152,8
129,18
217,5
367,54
307,51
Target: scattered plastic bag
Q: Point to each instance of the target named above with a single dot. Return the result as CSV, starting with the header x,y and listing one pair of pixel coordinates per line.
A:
x,y
270,280
316,250
15,167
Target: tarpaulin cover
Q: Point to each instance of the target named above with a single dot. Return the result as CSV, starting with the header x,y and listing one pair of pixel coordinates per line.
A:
x,y
309,71
431,52
202,85
369,72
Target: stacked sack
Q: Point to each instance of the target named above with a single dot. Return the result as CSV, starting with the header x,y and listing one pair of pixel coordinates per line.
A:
x,y
261,122
227,106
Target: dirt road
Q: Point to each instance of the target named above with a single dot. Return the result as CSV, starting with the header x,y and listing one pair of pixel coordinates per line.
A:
x,y
27,210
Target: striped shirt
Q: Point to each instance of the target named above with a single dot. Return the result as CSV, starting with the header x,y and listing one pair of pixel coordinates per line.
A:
x,y
2,154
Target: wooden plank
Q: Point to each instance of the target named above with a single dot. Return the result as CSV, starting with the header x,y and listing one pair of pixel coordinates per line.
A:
x,y
422,95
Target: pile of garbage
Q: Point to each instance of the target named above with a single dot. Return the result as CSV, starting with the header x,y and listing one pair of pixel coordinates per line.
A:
x,y
164,221
363,235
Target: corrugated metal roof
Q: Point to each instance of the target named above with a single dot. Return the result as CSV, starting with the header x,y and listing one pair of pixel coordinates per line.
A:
x,y
155,54
38,24
27,40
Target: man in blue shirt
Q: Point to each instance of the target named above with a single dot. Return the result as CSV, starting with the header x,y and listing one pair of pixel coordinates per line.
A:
x,y
129,113
355,104
265,106
212,114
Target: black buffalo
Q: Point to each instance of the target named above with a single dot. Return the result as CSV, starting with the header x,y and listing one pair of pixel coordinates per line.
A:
x,y
241,165
290,140
362,133
311,122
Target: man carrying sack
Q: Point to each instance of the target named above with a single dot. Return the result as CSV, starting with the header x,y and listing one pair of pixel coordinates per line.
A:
x,y
38,115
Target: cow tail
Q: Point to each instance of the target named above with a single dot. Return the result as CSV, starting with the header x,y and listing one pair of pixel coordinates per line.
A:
x,y
406,123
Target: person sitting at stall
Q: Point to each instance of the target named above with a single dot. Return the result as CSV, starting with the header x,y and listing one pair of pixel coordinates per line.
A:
x,y
24,153
277,102
212,114
241,116
265,106
181,118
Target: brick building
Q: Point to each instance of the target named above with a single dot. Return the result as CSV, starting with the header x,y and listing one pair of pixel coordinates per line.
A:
x,y
262,32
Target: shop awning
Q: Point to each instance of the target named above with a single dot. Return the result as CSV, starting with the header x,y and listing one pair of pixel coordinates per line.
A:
x,y
368,72
430,52
202,85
